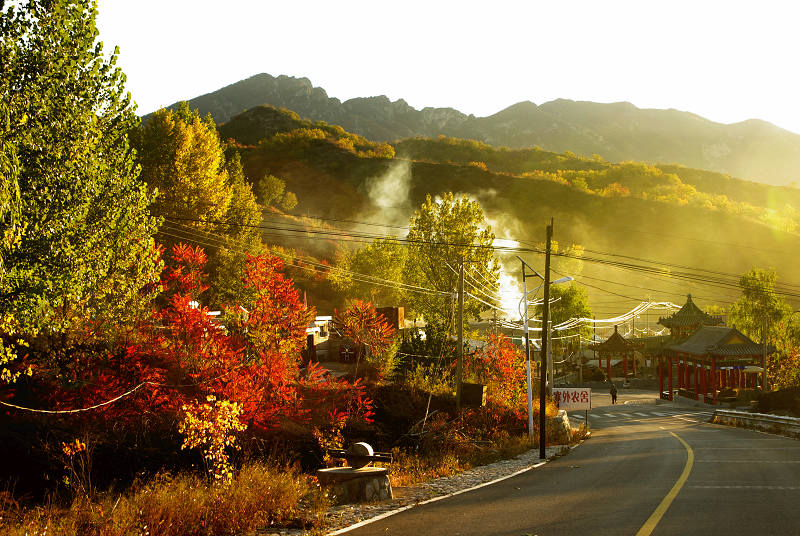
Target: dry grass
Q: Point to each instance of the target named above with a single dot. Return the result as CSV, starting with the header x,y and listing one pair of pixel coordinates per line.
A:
x,y
409,468
259,497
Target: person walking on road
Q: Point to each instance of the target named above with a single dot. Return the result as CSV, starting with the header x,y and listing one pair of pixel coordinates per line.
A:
x,y
613,393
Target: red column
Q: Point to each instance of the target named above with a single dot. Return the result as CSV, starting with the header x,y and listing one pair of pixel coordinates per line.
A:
x,y
625,366
670,377
688,371
714,380
722,380
696,381
608,366
704,380
660,378
680,374
634,364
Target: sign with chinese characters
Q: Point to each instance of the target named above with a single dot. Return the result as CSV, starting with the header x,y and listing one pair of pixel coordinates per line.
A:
x,y
573,398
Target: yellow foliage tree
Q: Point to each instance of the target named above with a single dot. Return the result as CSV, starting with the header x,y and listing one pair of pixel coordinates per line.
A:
x,y
210,426
182,158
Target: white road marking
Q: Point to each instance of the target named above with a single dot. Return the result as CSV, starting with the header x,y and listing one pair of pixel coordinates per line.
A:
x,y
748,462
747,448
749,487
609,415
625,414
642,414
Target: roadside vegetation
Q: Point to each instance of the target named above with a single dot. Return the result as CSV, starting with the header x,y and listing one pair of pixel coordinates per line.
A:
x,y
153,320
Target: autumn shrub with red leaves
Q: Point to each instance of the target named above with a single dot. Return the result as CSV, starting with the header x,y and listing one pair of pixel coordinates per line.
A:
x,y
370,332
501,366
182,354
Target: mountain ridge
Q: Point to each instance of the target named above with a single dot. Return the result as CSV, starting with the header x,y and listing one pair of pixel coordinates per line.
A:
x,y
753,149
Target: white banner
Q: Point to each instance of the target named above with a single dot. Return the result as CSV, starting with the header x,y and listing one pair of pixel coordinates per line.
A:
x,y
573,398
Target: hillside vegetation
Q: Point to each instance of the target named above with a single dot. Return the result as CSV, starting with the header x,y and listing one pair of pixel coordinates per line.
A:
x,y
620,131
662,212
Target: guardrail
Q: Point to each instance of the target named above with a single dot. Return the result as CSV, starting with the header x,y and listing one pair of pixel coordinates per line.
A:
x,y
774,424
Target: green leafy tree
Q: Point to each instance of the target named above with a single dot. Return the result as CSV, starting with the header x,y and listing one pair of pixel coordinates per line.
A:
x,y
269,189
380,261
572,301
759,306
244,215
442,233
763,315
288,201
239,237
183,160
79,245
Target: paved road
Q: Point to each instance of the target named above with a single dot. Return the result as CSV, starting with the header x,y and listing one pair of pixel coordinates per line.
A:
x,y
739,482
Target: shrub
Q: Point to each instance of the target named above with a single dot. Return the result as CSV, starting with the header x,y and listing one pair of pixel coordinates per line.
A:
x,y
260,496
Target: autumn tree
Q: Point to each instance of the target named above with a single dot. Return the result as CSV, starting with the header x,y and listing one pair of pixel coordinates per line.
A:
x,y
78,248
443,233
759,306
183,161
271,191
369,330
501,366
238,237
378,263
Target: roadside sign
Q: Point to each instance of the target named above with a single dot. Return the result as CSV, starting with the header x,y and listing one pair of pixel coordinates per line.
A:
x,y
573,398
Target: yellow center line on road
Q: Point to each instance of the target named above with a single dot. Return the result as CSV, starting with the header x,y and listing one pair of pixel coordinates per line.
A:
x,y
661,509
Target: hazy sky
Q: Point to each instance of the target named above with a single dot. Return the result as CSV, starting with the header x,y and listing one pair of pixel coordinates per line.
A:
x,y
727,60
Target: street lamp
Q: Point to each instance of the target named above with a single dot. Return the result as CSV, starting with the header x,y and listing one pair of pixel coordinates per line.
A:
x,y
545,333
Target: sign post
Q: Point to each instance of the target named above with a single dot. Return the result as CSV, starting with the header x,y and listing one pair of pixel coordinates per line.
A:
x,y
574,398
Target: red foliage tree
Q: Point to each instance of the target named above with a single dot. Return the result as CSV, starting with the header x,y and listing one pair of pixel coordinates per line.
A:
x,y
500,365
184,353
369,329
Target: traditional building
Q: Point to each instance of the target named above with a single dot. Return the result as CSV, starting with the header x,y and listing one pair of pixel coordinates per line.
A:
x,y
616,346
687,320
706,356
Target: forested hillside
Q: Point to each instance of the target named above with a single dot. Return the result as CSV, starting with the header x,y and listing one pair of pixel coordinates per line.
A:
x,y
752,149
670,213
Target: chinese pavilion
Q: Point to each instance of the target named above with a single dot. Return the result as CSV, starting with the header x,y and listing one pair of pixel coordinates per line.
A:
x,y
707,356
618,346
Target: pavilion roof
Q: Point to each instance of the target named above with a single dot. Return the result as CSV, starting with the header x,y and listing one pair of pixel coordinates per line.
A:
x,y
719,341
615,344
689,315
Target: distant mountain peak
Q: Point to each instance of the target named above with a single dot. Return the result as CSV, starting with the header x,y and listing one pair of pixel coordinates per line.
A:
x,y
616,131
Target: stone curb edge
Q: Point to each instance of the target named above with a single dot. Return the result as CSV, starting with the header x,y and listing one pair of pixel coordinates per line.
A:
x,y
440,497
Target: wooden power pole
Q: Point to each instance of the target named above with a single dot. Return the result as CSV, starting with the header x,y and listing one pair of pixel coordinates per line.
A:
x,y
545,343
460,364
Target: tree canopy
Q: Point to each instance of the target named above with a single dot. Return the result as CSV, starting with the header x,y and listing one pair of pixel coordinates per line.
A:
x,y
443,233
79,244
758,305
183,160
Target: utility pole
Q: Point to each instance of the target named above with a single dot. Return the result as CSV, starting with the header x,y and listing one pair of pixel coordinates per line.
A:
x,y
594,339
764,356
551,367
527,353
460,364
545,345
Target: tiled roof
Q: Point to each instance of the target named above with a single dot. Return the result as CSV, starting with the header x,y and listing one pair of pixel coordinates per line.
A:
x,y
615,344
718,340
689,315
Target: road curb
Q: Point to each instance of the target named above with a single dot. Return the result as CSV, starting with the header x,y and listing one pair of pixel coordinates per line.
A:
x,y
453,494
